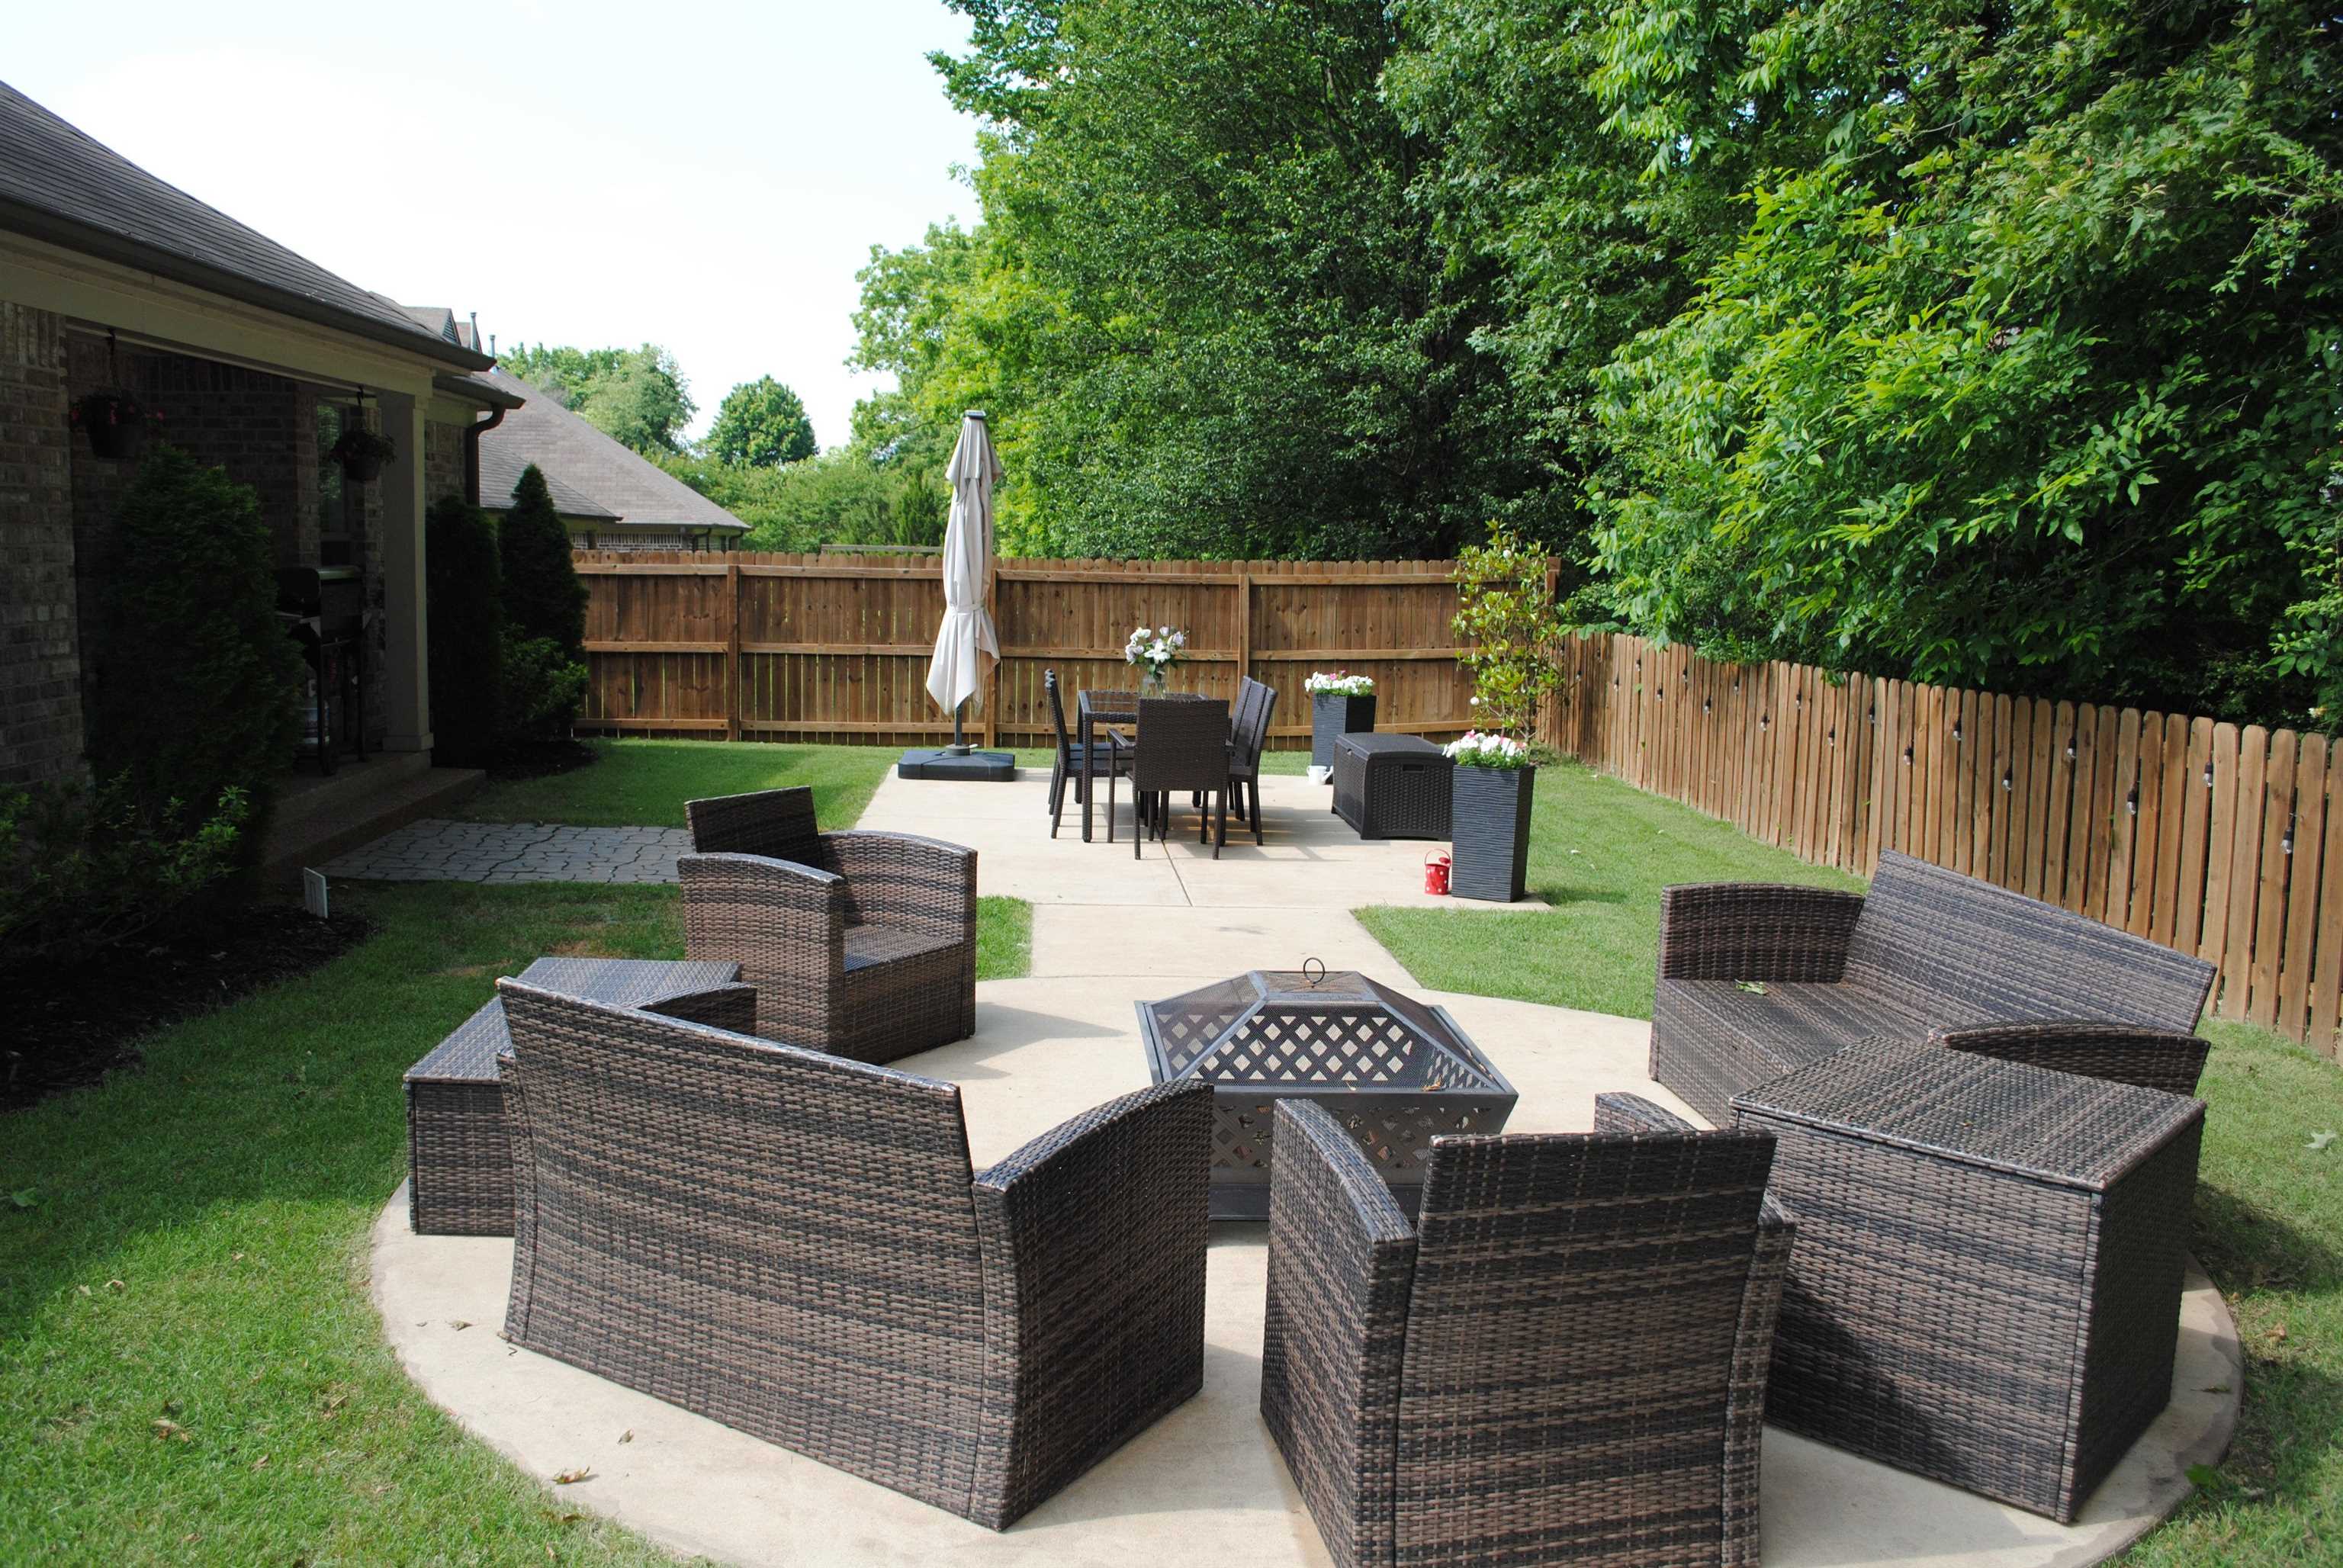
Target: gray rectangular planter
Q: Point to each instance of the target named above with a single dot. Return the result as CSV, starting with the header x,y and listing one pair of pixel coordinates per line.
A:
x,y
1490,813
1334,715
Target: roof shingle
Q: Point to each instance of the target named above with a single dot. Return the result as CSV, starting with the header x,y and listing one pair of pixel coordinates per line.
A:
x,y
581,458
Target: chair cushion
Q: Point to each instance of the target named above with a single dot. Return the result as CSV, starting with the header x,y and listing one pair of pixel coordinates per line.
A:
x,y
1790,1024
869,945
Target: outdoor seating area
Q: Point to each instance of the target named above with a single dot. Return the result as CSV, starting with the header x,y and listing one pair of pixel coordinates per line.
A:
x,y
1056,1266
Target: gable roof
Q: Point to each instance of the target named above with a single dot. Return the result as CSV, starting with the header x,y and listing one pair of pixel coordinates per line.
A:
x,y
60,185
577,456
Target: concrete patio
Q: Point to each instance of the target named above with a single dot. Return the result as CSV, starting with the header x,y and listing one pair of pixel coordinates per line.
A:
x,y
1205,1482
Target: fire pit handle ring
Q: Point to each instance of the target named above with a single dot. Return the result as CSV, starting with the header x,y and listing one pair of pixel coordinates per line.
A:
x,y
1310,980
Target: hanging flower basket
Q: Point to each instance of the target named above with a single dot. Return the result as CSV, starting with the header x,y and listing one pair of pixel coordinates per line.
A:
x,y
115,422
362,454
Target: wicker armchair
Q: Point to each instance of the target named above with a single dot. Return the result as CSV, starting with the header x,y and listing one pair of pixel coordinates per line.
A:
x,y
795,1245
859,944
1109,758
1757,980
1565,1357
1183,748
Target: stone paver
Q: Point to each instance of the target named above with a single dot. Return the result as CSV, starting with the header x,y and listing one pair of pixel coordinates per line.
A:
x,y
437,850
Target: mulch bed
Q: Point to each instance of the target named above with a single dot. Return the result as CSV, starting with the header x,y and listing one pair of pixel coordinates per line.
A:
x,y
81,1021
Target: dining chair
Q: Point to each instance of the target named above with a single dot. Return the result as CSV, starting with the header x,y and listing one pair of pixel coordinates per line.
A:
x,y
1183,748
1108,758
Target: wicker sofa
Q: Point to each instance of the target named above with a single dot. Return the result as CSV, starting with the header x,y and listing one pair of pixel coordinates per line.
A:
x,y
795,1245
859,944
1565,1357
1758,980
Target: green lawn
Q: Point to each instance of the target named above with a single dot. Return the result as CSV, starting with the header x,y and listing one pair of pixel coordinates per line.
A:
x,y
2269,1216
1600,852
644,783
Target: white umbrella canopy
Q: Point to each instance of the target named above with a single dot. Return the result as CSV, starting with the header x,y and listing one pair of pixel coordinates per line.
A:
x,y
965,639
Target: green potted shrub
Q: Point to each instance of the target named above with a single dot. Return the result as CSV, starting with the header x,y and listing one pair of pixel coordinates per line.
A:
x,y
1488,812
115,422
362,453
1339,703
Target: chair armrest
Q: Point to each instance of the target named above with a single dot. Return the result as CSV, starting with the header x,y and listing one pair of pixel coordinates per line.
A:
x,y
1092,1242
1341,1268
2167,1059
1753,1360
783,922
1755,932
1626,1113
902,880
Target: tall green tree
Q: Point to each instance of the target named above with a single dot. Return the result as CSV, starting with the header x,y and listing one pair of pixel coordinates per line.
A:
x,y
638,397
760,424
542,596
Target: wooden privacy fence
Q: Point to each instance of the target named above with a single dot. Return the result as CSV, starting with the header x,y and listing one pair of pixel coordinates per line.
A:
x,y
816,647
2217,839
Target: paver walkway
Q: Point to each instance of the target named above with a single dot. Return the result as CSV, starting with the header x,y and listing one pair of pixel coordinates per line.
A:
x,y
437,850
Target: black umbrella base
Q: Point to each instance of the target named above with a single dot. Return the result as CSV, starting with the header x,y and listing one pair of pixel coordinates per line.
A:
x,y
977,766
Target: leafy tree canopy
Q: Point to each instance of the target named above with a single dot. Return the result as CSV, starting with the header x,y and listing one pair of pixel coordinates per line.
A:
x,y
760,425
1997,345
638,397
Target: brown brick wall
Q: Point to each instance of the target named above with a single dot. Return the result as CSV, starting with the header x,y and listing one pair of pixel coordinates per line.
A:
x,y
40,665
443,461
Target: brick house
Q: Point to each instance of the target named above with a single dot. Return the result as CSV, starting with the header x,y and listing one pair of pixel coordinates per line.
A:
x,y
257,359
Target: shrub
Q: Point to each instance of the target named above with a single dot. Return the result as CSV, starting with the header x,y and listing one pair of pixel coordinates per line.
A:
x,y
1505,615
463,583
196,681
543,690
543,598
84,867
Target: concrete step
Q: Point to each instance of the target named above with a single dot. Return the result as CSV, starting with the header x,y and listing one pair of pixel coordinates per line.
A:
x,y
317,818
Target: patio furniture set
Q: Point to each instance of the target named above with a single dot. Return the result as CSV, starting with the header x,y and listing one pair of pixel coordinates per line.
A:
x,y
1384,786
1941,1222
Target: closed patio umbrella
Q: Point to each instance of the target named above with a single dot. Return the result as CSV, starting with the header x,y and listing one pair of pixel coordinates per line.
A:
x,y
965,639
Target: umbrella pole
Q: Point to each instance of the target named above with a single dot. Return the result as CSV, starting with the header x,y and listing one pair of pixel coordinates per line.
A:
x,y
959,746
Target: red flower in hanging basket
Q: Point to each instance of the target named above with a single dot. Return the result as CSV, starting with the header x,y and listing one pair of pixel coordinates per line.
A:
x,y
115,421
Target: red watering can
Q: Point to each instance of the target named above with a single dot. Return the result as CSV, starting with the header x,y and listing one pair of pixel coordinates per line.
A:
x,y
1435,872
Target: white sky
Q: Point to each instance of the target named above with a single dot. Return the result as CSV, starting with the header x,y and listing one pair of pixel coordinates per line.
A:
x,y
702,174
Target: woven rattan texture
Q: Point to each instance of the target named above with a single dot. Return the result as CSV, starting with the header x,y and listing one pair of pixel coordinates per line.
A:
x,y
1559,1367
1491,815
866,948
1248,736
1107,757
2162,1059
458,1158
795,1245
1393,786
1182,750
1986,1283
1756,981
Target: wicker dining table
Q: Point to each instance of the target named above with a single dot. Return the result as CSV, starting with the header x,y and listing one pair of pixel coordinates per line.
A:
x,y
1095,707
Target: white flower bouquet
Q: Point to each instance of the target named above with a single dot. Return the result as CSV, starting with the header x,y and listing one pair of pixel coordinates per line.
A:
x,y
1155,651
1339,684
1487,749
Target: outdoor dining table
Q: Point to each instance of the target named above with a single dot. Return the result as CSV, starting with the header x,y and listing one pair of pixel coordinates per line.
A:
x,y
1093,707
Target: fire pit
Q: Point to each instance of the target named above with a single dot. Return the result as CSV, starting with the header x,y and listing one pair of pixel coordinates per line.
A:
x,y
1392,1070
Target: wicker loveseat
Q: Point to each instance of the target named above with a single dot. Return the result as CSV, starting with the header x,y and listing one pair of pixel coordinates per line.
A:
x,y
1564,1358
794,1244
859,944
1757,979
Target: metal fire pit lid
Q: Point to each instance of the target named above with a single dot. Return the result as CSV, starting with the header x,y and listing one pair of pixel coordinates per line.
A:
x,y
1346,1030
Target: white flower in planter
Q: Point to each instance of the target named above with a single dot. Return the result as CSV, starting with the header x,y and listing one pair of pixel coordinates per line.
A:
x,y
1477,749
1339,684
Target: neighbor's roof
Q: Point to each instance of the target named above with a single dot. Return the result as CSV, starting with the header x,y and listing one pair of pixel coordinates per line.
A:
x,y
59,185
578,457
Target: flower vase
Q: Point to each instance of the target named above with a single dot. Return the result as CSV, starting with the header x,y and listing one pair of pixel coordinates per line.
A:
x,y
1490,816
1154,682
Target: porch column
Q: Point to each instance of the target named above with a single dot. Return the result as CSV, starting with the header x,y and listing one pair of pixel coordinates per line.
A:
x,y
406,673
